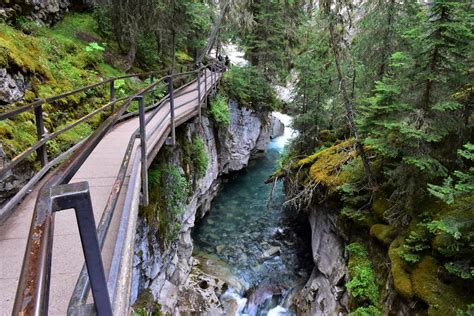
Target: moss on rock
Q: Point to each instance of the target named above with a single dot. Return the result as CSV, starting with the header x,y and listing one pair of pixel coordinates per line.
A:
x,y
379,206
325,166
443,299
383,233
400,272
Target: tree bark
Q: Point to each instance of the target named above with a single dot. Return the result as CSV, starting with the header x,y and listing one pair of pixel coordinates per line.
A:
x,y
348,103
215,31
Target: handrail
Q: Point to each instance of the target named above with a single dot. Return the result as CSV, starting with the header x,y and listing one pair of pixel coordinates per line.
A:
x,y
33,287
40,145
8,114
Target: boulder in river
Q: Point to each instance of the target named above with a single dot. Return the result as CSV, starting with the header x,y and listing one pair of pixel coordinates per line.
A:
x,y
271,252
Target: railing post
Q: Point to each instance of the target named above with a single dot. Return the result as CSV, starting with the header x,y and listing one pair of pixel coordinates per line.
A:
x,y
144,169
199,91
214,80
112,94
205,85
152,91
40,133
171,101
77,196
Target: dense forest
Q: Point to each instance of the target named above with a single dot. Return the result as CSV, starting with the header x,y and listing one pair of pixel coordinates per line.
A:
x,y
382,98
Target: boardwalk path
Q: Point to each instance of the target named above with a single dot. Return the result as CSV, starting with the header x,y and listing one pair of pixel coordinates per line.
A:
x,y
100,170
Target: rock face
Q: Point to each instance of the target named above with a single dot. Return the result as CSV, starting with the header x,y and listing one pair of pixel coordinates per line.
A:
x,y
167,272
324,293
245,137
277,127
11,182
42,11
12,86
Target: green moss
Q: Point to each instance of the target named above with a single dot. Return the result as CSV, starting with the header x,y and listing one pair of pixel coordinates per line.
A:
x,y
74,135
145,305
443,299
168,196
326,166
219,110
383,233
371,310
400,272
55,60
362,284
200,156
379,206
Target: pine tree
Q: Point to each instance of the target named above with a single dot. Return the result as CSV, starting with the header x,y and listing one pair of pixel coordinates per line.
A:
x,y
314,88
413,110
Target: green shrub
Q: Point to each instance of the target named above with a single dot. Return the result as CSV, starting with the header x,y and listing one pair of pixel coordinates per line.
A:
x,y
168,196
219,110
249,88
362,286
74,135
370,310
201,158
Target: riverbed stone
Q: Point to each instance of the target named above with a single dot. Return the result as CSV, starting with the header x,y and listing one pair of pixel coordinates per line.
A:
x,y
271,252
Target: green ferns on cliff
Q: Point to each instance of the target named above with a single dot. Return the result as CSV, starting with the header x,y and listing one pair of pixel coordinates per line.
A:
x,y
219,110
363,288
169,191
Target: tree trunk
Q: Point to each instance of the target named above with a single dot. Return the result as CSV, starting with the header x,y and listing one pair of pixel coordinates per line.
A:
x,y
349,107
132,52
215,31
173,45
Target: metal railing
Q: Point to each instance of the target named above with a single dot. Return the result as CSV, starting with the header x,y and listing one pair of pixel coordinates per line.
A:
x,y
40,147
33,288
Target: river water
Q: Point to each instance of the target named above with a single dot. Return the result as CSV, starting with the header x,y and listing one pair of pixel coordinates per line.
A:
x,y
263,244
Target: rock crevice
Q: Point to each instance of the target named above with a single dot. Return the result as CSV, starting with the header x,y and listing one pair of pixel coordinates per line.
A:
x,y
324,292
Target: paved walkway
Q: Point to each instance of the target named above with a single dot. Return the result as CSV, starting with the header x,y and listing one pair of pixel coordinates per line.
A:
x,y
100,170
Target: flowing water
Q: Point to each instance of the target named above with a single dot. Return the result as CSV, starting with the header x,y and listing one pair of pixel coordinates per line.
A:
x,y
262,243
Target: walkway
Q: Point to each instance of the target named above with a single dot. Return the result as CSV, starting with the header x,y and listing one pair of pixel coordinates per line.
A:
x,y
100,170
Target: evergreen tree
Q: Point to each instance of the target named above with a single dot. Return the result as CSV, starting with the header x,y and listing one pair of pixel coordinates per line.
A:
x,y
413,110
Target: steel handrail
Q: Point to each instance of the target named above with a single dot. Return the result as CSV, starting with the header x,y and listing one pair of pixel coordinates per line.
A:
x,y
9,114
40,145
33,288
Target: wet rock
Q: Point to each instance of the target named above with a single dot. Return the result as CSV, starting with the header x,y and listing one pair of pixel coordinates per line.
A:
x,y
277,127
220,248
246,136
42,11
271,252
14,180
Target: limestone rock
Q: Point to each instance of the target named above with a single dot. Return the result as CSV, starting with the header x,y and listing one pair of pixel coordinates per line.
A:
x,y
277,127
246,135
12,87
271,252
42,11
323,293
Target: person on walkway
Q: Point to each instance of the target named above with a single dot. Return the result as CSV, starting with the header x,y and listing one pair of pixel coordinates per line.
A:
x,y
227,61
